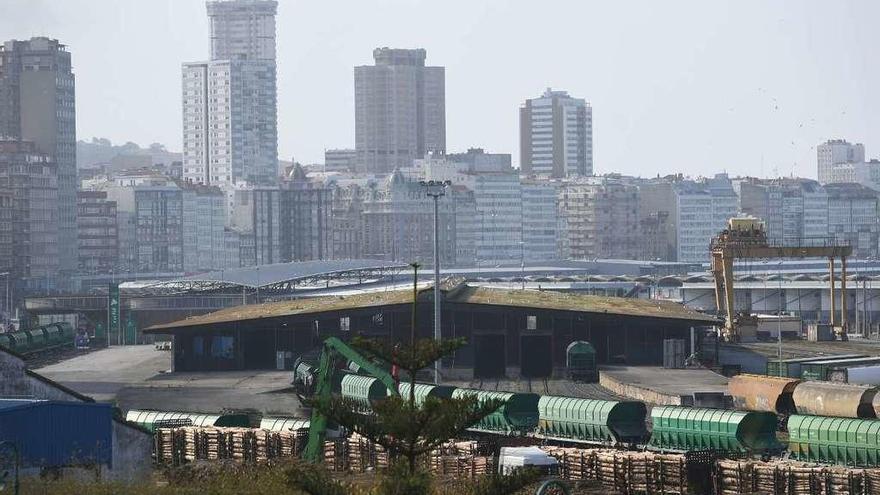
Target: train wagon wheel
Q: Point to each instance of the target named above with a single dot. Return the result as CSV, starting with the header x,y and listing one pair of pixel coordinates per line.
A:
x,y
553,487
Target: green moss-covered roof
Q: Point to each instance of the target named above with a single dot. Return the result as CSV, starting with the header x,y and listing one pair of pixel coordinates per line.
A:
x,y
461,294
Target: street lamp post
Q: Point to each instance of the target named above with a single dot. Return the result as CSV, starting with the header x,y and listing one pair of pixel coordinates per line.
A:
x,y
436,190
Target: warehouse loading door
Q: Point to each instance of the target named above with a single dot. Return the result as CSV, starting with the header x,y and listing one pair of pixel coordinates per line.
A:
x,y
536,356
489,356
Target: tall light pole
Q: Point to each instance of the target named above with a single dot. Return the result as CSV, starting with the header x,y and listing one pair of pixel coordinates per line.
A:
x,y
436,190
6,304
779,319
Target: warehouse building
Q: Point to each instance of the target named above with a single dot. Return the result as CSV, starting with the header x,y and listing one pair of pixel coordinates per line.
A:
x,y
54,427
509,332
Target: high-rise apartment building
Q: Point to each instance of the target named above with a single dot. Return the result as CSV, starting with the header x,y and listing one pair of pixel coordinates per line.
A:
x,y
852,217
342,160
180,227
400,110
30,177
794,211
229,122
230,109
97,232
242,27
599,218
702,209
835,152
37,105
539,220
556,135
657,219
496,225
306,207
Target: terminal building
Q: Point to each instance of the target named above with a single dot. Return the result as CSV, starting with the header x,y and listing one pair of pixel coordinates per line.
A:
x,y
509,332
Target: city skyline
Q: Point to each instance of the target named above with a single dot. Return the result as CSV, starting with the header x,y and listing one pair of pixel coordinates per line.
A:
x,y
754,104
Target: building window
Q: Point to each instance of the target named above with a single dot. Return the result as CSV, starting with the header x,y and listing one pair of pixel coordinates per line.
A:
x,y
531,322
345,324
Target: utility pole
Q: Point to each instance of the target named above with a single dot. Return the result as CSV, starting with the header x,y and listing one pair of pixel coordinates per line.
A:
x,y
436,190
522,264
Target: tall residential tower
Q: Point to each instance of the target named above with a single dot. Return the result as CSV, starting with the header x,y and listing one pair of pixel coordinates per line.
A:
x,y
37,105
242,27
400,110
556,136
836,152
230,110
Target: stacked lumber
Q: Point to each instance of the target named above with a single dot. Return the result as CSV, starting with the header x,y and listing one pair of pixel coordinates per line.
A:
x,y
212,450
574,464
364,455
460,459
336,454
735,477
842,481
166,446
190,443
622,471
667,473
782,477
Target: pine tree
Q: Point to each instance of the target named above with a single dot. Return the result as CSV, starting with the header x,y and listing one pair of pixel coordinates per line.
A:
x,y
406,429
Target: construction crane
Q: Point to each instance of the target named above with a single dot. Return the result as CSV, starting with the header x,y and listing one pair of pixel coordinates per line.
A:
x,y
745,238
334,353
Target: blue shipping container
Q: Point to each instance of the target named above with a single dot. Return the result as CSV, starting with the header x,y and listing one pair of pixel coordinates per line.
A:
x,y
55,434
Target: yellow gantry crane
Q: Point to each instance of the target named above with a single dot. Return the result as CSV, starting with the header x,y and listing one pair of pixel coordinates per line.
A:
x,y
745,238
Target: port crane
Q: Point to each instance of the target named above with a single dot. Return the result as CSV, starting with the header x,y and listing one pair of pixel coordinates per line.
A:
x,y
334,353
746,238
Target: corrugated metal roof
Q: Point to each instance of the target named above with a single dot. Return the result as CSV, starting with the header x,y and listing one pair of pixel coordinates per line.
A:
x,y
548,300
266,275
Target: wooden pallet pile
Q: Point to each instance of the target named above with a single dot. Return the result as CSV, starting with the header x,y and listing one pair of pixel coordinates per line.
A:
x,y
782,477
624,472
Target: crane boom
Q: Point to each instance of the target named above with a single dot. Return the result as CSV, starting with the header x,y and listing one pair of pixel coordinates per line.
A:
x,y
745,238
335,349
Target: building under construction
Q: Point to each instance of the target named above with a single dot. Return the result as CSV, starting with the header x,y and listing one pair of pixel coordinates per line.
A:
x,y
509,332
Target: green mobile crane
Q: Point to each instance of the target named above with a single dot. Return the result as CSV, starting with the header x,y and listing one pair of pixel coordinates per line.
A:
x,y
333,352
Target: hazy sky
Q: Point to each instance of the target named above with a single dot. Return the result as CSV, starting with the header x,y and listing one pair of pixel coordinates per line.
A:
x,y
676,86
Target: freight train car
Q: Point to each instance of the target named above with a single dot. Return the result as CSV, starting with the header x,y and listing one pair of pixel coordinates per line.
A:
x,y
683,429
591,420
847,441
518,413
792,368
150,419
